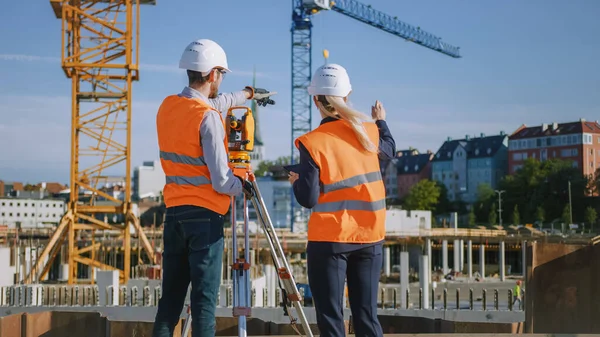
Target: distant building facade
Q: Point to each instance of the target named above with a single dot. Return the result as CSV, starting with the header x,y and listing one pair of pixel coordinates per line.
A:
x,y
148,180
405,170
30,212
578,142
464,164
8,188
411,168
277,195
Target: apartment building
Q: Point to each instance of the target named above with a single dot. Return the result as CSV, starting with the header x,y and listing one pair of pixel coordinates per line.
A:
x,y
148,180
31,212
578,142
411,168
464,164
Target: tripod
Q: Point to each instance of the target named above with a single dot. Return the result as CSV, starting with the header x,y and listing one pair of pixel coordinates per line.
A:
x,y
241,142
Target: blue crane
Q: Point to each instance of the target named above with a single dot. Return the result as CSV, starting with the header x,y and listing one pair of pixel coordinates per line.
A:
x,y
302,52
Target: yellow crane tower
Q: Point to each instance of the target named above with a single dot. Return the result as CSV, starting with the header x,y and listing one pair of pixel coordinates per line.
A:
x,y
100,47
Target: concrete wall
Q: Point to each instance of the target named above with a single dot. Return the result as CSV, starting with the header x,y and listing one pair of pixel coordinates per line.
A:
x,y
561,291
91,324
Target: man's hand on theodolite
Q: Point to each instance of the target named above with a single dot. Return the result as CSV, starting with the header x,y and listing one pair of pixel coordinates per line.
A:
x,y
248,189
261,96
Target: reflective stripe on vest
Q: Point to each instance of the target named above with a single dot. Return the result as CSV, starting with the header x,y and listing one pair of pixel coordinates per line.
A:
x,y
187,177
188,160
351,204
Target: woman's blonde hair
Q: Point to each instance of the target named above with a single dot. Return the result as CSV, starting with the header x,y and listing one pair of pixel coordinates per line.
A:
x,y
336,107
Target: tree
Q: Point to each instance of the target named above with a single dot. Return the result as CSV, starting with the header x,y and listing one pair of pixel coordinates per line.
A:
x,y
590,215
444,205
566,214
423,196
544,184
493,216
539,215
266,165
472,219
485,199
596,182
485,192
516,217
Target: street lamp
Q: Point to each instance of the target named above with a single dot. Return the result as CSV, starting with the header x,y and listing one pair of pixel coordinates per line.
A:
x,y
499,205
570,205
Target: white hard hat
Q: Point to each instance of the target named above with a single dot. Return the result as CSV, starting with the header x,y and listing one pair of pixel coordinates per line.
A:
x,y
202,56
330,80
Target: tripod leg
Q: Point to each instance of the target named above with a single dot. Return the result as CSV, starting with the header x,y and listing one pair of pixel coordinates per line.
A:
x,y
281,263
240,269
188,322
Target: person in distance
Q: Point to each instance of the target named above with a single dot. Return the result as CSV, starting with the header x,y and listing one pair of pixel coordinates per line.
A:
x,y
340,179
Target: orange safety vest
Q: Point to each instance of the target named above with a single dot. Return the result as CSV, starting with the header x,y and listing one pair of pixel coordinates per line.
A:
x,y
351,205
181,155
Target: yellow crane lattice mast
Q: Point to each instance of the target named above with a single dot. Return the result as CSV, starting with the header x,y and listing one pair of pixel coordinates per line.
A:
x,y
100,47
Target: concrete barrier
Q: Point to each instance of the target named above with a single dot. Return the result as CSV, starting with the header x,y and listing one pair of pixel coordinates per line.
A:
x,y
562,288
91,324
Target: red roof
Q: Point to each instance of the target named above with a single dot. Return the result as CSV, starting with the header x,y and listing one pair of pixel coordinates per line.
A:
x,y
555,129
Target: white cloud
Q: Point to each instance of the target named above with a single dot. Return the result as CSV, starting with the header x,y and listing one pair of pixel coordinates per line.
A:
x,y
164,68
28,58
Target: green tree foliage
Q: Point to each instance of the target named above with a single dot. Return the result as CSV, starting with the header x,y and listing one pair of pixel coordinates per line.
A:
x,y
266,165
543,184
485,199
566,214
590,215
444,205
493,216
485,192
516,217
423,196
472,218
540,214
596,182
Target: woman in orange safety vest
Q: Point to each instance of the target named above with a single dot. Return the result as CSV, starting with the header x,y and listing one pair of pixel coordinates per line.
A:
x,y
339,179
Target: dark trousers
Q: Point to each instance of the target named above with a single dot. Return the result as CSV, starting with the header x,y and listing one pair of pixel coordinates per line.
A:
x,y
193,250
327,272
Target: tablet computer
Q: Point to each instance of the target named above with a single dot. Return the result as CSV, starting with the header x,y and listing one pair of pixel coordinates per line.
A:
x,y
292,168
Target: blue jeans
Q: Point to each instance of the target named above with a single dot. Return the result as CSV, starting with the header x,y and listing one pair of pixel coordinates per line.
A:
x,y
327,271
193,251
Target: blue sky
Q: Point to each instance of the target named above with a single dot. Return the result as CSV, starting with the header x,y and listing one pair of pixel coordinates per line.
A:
x,y
526,62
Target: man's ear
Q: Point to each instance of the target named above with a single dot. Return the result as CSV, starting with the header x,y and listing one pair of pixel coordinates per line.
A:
x,y
212,76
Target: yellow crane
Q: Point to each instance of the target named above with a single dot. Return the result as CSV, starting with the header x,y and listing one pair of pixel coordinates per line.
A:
x,y
100,54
